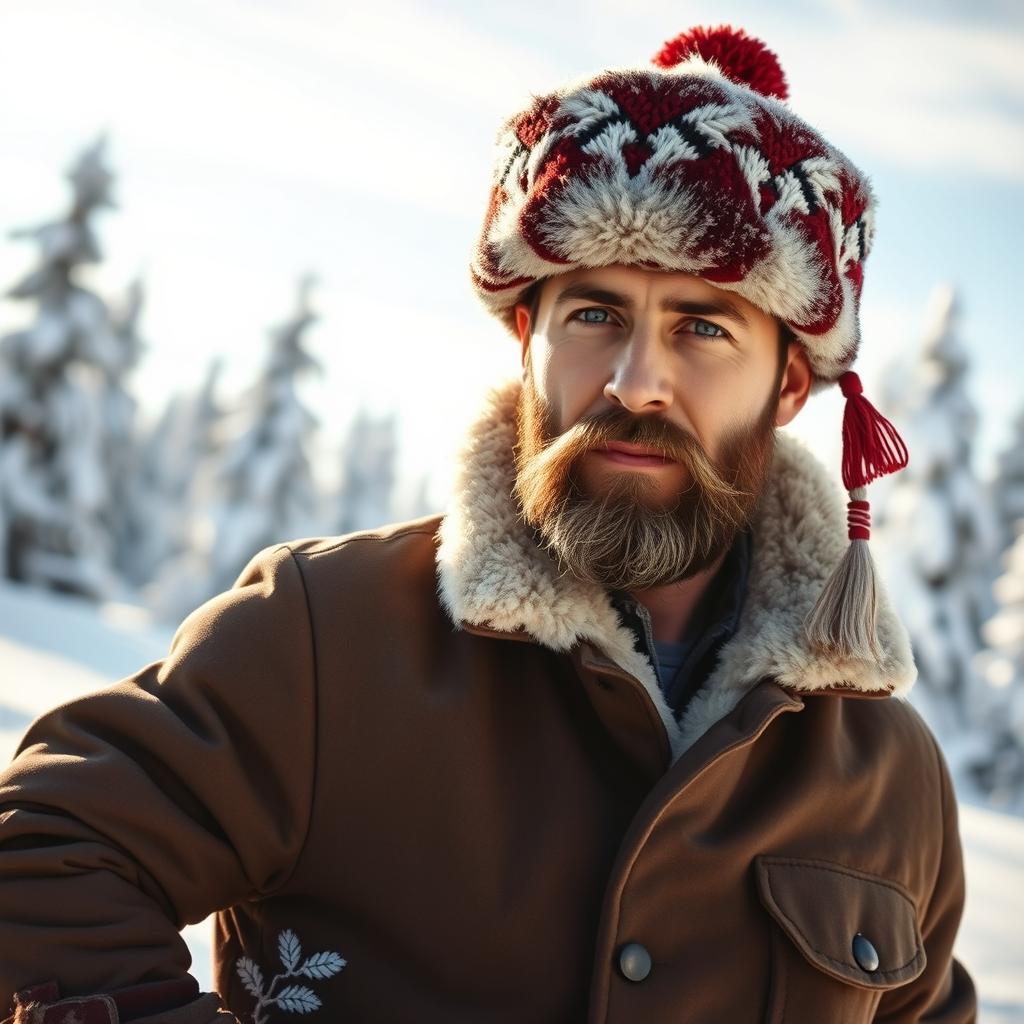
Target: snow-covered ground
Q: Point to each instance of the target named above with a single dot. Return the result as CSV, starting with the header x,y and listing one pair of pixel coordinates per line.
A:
x,y
990,943
54,648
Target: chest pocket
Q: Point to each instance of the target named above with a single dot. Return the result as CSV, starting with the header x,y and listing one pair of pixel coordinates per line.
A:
x,y
840,939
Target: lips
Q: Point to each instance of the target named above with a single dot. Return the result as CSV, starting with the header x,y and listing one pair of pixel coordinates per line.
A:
x,y
632,454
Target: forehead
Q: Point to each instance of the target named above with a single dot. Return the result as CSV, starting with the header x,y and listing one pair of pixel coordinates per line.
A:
x,y
639,281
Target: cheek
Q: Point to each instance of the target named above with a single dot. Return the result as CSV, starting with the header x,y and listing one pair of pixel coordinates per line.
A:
x,y
571,386
718,399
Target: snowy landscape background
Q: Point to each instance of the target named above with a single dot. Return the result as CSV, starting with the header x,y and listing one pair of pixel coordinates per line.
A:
x,y
235,309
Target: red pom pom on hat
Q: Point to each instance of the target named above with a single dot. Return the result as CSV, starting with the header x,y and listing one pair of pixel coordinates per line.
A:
x,y
742,58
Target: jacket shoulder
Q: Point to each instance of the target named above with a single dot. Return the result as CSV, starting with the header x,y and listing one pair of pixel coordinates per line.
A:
x,y
370,566
906,775
345,544
891,734
900,725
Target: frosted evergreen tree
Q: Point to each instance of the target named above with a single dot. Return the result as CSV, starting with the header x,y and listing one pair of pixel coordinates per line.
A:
x,y
261,488
127,512
937,528
1008,485
365,498
174,466
53,374
998,765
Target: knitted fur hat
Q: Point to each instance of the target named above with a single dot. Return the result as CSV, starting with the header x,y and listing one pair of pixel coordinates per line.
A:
x,y
695,163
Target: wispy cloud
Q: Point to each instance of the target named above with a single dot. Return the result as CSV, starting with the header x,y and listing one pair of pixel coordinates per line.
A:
x,y
901,83
392,101
930,95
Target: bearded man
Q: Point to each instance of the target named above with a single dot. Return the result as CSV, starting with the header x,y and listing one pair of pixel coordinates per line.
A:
x,y
621,737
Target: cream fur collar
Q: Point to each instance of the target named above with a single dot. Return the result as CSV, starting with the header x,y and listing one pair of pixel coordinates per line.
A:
x,y
492,573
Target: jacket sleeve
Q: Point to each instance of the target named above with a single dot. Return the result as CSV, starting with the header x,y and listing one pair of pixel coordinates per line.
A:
x,y
944,992
145,806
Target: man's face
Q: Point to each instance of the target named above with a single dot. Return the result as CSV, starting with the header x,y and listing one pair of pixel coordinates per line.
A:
x,y
647,421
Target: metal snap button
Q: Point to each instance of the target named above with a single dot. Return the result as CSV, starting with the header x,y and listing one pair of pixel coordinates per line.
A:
x,y
864,953
634,961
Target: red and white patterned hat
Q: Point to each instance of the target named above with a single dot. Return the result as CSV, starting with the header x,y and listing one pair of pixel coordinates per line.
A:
x,y
693,163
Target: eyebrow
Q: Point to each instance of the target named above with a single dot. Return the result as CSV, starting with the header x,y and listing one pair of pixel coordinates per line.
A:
x,y
719,307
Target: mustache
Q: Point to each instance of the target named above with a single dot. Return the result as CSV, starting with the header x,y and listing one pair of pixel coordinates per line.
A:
x,y
602,428
545,478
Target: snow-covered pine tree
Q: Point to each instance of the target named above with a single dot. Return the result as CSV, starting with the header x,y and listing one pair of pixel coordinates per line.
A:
x,y
1008,485
53,449
174,466
998,767
365,498
126,513
936,527
261,488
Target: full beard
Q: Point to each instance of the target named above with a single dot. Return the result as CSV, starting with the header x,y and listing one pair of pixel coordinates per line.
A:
x,y
625,539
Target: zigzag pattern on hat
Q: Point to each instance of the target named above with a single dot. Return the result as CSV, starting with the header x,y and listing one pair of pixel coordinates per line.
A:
x,y
682,169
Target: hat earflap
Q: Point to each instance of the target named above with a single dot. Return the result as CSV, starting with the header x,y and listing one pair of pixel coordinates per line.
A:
x,y
843,621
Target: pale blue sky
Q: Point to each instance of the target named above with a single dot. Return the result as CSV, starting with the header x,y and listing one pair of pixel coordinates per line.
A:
x,y
255,140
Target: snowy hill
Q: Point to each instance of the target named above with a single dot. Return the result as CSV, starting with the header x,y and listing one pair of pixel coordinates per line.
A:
x,y
54,648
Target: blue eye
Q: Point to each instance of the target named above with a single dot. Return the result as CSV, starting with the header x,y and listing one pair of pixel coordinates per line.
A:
x,y
697,324
589,320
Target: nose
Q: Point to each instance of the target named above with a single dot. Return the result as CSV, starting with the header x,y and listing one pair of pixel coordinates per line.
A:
x,y
640,379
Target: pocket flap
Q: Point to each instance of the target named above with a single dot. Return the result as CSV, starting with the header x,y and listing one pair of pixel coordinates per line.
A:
x,y
823,906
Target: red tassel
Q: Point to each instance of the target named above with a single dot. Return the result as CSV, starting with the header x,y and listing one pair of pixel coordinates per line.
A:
x,y
871,445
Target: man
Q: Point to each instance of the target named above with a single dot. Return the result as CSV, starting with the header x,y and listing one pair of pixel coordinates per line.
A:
x,y
618,738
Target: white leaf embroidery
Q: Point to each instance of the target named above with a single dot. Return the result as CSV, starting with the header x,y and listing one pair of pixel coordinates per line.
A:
x,y
322,965
297,999
288,949
291,998
251,975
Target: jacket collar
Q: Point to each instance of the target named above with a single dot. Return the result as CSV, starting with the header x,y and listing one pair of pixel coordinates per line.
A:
x,y
492,574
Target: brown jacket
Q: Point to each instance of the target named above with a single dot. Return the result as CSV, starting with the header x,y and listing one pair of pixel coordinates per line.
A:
x,y
423,778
